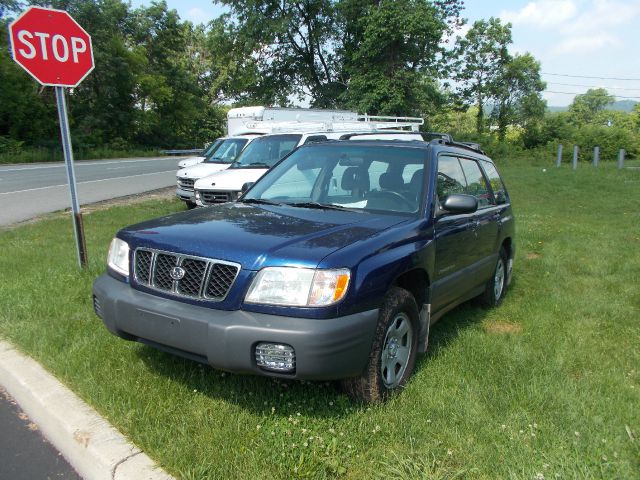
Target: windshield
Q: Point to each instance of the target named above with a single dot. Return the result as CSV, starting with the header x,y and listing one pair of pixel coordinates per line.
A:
x,y
265,152
372,178
227,150
212,148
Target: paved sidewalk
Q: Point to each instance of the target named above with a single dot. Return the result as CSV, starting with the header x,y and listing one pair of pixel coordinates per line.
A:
x,y
94,448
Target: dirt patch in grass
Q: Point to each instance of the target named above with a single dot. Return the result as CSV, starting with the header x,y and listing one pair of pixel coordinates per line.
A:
x,y
533,256
502,328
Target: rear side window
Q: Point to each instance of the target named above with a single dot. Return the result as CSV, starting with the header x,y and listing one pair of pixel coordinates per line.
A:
x,y
476,183
496,182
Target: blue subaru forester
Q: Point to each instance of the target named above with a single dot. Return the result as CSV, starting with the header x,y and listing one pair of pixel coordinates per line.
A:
x,y
332,266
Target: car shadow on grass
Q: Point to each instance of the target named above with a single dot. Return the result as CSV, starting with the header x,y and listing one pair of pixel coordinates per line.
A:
x,y
267,395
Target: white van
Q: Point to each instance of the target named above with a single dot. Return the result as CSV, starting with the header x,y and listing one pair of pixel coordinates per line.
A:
x,y
221,158
208,151
266,151
243,125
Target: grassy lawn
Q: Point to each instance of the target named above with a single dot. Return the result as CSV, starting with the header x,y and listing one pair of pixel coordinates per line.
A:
x,y
546,386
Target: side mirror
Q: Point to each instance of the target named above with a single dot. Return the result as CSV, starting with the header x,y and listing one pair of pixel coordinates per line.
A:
x,y
246,187
458,203
500,198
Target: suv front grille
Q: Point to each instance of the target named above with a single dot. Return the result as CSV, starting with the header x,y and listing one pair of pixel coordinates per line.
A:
x,y
186,183
210,197
184,275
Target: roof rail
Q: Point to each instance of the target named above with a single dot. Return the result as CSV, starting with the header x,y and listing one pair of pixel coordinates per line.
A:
x,y
347,136
444,136
466,145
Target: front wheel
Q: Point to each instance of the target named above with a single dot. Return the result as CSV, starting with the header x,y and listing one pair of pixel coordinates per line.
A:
x,y
394,350
190,205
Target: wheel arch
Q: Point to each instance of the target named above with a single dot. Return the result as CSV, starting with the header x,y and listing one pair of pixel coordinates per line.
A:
x,y
416,281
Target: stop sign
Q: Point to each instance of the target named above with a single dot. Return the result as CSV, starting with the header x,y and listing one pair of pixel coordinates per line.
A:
x,y
51,46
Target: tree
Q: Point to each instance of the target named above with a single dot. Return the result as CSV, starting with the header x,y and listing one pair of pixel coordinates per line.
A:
x,y
518,90
481,57
585,107
27,111
292,44
392,60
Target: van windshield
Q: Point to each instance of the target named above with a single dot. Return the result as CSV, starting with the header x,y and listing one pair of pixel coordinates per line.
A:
x,y
347,176
266,151
226,151
212,148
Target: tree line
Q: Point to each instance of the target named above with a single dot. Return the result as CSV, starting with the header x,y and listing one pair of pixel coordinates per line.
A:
x,y
163,82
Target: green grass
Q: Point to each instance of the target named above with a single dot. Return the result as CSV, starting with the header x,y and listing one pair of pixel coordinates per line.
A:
x,y
547,385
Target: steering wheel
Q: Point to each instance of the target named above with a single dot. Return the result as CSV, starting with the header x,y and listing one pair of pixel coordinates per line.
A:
x,y
394,196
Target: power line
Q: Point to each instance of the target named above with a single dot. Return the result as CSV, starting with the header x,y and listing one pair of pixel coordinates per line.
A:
x,y
578,93
593,86
595,78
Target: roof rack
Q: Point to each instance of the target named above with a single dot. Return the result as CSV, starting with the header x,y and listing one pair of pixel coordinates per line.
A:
x,y
364,123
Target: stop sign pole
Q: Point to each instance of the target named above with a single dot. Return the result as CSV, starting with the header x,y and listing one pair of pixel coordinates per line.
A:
x,y
81,246
55,50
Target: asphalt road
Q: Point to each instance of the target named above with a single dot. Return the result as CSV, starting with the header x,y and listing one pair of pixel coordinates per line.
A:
x,y
27,191
25,454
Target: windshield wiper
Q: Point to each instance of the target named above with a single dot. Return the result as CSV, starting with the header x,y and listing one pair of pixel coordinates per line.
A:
x,y
318,205
252,164
216,160
259,201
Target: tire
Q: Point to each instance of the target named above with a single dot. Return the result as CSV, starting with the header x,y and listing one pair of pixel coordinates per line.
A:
x,y
496,287
190,205
393,353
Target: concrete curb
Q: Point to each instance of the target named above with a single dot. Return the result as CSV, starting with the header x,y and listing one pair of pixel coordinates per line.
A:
x,y
94,448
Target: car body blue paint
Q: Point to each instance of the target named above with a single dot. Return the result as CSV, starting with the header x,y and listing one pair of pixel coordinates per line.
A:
x,y
453,252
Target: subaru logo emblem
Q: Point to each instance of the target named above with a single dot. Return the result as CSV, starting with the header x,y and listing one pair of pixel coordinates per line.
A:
x,y
177,273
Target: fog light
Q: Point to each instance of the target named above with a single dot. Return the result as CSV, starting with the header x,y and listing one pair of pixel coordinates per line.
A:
x,y
276,357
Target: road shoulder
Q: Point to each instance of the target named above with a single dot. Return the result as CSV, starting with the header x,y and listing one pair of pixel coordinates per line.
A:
x,y
94,448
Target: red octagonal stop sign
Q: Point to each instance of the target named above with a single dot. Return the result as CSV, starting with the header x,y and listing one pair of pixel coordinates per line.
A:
x,y
51,46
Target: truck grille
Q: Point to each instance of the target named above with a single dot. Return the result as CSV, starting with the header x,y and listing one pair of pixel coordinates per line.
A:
x,y
186,183
184,275
209,197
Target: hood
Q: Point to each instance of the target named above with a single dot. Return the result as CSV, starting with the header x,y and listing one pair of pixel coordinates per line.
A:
x,y
201,170
187,162
230,179
257,236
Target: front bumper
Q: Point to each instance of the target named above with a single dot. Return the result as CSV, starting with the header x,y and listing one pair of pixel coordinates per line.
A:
x,y
325,349
186,195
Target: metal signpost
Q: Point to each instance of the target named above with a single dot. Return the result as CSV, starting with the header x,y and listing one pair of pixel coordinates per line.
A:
x,y
56,51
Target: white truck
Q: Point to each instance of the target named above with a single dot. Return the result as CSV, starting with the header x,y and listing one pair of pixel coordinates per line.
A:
x,y
208,151
243,125
266,151
242,120
221,158
248,123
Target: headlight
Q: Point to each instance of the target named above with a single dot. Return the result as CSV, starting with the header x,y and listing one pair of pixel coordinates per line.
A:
x,y
118,257
298,287
197,194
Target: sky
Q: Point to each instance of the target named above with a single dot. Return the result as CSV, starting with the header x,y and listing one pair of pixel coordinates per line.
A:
x,y
581,44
